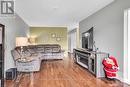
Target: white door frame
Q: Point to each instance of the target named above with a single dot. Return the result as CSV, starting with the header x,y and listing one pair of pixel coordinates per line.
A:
x,y
127,46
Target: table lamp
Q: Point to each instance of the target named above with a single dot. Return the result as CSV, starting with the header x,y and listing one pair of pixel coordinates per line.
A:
x,y
32,40
20,42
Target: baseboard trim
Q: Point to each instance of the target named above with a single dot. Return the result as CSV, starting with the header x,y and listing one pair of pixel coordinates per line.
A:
x,y
124,80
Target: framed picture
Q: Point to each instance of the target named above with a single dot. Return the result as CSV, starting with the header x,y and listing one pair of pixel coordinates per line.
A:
x,y
53,35
58,39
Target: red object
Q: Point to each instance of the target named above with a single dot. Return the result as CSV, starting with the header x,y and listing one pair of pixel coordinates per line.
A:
x,y
110,68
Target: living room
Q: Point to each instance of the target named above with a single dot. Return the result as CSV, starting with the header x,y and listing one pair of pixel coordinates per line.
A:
x,y
109,21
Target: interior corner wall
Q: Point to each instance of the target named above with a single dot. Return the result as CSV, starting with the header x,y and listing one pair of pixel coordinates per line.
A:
x,y
43,36
77,38
108,30
14,26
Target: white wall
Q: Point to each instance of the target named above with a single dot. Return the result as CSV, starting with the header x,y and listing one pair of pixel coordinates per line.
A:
x,y
108,30
72,40
14,26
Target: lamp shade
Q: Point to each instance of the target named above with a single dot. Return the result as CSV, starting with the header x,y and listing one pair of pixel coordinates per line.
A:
x,y
21,41
32,40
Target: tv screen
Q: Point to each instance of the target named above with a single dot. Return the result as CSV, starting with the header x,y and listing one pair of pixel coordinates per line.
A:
x,y
87,39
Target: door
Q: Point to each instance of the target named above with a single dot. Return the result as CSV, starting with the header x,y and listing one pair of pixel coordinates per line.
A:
x,y
1,55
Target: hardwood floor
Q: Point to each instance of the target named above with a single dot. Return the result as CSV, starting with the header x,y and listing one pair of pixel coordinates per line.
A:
x,y
63,73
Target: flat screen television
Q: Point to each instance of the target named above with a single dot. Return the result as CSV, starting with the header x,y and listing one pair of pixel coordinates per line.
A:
x,y
87,39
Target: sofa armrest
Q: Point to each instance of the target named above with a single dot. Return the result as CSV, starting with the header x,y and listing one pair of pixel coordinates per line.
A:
x,y
25,59
62,51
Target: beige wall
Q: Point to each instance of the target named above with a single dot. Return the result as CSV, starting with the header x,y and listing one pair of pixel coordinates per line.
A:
x,y
43,35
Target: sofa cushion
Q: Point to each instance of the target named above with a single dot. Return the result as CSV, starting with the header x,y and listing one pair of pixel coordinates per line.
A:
x,y
40,49
26,54
48,50
32,50
56,49
26,59
15,54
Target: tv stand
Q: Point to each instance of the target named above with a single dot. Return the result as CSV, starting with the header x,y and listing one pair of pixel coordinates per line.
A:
x,y
90,60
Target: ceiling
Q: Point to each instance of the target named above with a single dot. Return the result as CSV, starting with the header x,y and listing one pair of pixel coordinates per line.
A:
x,y
57,12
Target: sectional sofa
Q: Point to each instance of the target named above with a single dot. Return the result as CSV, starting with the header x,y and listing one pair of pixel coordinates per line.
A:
x,y
32,56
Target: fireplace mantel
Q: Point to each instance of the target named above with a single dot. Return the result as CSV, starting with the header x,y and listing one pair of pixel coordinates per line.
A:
x,y
90,60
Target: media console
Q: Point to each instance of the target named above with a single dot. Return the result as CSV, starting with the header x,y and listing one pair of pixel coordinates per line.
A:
x,y
90,60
